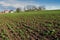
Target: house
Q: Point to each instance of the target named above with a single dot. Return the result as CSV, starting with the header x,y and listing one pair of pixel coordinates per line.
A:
x,y
8,11
11,11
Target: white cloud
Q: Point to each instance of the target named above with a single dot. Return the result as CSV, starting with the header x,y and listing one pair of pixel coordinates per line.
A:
x,y
4,4
16,4
52,7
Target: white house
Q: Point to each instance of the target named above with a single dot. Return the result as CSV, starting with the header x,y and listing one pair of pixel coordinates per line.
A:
x,y
11,11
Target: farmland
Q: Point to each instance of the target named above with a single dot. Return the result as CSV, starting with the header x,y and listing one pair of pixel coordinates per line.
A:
x,y
33,25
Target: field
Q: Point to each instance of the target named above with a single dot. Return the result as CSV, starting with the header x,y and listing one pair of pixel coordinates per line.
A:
x,y
34,25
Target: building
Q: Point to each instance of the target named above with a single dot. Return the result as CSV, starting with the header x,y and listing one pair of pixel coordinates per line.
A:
x,y
8,11
11,11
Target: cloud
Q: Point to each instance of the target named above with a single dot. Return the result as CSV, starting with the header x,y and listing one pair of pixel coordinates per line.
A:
x,y
22,3
52,7
4,4
17,4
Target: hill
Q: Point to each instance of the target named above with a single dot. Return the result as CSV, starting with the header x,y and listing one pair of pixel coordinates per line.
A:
x,y
33,25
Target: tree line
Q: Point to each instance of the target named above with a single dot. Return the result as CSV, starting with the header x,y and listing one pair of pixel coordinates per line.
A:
x,y
31,8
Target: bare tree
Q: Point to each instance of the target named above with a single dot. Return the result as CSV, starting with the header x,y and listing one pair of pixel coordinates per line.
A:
x,y
30,8
41,8
34,8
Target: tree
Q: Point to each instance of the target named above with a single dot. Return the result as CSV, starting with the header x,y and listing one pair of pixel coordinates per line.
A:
x,y
18,10
34,8
30,8
41,8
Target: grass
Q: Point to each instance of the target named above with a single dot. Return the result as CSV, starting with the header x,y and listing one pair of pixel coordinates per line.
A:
x,y
33,25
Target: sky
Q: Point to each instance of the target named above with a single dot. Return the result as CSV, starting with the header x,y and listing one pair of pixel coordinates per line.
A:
x,y
13,4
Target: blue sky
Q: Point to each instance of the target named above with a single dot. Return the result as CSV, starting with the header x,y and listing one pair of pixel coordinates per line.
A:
x,y
13,4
